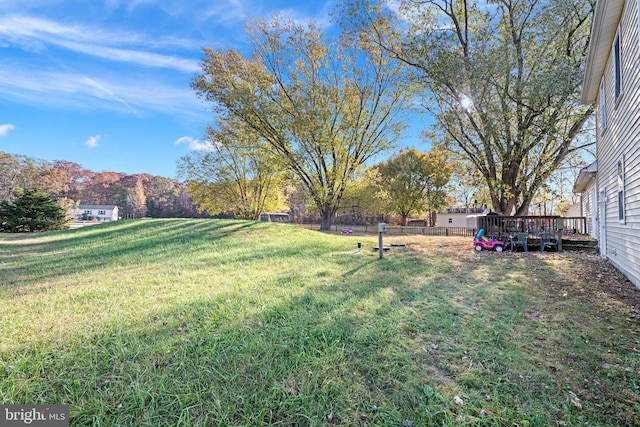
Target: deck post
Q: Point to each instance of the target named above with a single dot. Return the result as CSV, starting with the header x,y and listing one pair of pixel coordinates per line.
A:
x,y
559,224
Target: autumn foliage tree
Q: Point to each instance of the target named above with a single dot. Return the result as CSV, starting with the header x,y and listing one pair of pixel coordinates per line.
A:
x,y
502,80
70,184
236,173
414,182
16,172
322,106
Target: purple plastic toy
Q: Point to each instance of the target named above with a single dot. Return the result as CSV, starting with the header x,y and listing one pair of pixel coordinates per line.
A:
x,y
481,242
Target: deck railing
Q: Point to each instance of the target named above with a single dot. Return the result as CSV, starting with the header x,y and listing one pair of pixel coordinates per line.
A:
x,y
574,225
505,226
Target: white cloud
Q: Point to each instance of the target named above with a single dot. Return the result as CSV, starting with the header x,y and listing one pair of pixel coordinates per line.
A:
x,y
34,34
233,11
194,144
4,129
128,94
322,18
148,59
92,142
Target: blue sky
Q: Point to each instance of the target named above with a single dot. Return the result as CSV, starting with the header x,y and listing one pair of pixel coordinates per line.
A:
x,y
105,83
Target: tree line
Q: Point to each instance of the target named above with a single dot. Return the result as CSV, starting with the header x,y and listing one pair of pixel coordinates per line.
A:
x,y
70,184
245,184
314,106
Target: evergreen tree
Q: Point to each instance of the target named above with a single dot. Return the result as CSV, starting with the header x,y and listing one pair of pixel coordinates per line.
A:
x,y
30,211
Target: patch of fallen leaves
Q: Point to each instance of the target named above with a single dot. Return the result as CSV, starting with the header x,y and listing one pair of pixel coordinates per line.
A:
x,y
600,282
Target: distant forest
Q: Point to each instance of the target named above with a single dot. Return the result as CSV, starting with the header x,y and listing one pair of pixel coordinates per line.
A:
x,y
138,195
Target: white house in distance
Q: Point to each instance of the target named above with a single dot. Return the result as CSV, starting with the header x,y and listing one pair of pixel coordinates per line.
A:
x,y
612,83
459,217
99,212
585,185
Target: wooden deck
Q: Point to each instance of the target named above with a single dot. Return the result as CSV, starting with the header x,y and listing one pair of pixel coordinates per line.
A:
x,y
503,227
571,230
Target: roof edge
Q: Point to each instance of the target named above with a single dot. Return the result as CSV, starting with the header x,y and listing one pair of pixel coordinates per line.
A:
x,y
586,175
600,41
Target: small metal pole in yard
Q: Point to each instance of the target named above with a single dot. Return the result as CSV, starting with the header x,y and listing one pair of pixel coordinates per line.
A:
x,y
382,227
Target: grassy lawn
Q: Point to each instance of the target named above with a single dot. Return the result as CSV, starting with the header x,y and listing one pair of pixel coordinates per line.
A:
x,y
207,322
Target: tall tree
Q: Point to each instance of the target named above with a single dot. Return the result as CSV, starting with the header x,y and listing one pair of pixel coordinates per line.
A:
x,y
323,106
440,168
160,195
466,187
31,210
136,200
17,171
102,188
53,181
237,173
363,196
503,80
76,178
414,182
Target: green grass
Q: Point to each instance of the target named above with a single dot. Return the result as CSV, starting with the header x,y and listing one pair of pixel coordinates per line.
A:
x,y
207,322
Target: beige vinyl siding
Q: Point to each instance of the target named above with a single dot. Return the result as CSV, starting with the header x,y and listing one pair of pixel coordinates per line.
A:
x,y
589,206
621,139
457,220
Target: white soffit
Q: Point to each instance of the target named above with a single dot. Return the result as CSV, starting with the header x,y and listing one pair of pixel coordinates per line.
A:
x,y
603,30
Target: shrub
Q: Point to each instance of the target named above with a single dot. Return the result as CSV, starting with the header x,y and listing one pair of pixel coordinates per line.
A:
x,y
30,211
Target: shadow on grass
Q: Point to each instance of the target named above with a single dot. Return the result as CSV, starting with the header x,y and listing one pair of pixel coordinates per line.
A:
x,y
378,343
125,244
317,358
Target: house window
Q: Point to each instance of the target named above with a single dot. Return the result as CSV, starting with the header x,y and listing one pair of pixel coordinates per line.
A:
x,y
87,211
621,201
450,220
602,108
101,213
617,66
587,202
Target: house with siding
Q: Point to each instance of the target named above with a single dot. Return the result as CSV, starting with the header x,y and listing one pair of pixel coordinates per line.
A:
x,y
97,212
585,185
459,217
612,83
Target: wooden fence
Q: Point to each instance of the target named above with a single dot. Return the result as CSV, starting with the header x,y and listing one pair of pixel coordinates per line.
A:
x,y
502,227
400,230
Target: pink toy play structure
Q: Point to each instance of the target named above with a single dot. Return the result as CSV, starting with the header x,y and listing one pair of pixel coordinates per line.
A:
x,y
481,242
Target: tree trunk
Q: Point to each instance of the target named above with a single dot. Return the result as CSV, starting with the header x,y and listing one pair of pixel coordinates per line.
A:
x,y
403,219
431,216
327,219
